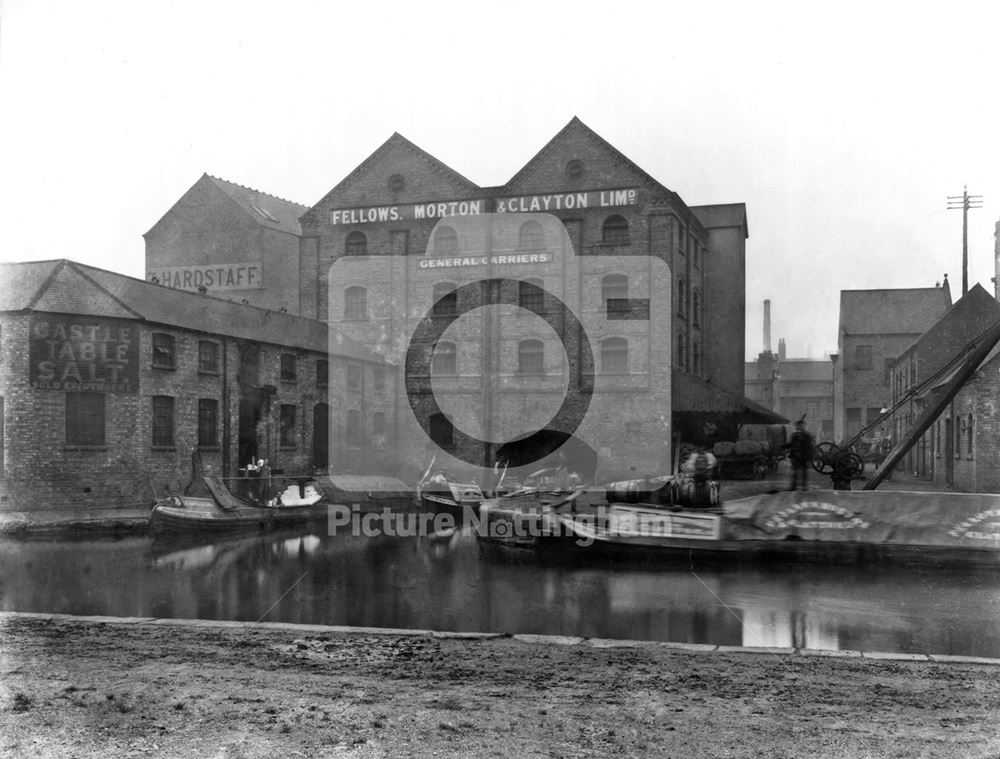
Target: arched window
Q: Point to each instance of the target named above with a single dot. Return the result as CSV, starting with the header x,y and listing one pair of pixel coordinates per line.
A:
x,y
356,244
355,303
530,357
531,236
442,431
696,308
681,297
614,355
681,350
614,294
958,437
696,357
445,299
968,435
445,240
444,359
615,231
530,295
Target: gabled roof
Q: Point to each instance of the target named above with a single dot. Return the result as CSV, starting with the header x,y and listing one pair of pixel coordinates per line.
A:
x,y
267,210
694,397
886,312
396,140
723,215
576,123
67,287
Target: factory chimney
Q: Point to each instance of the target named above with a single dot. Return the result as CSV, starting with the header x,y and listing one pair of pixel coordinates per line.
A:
x,y
767,326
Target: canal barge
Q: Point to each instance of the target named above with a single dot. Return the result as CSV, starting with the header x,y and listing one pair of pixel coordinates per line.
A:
x,y
817,525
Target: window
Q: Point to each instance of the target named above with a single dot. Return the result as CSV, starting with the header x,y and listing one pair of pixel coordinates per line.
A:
x,y
354,431
681,239
614,294
531,236
530,357
85,418
615,231
614,355
322,372
355,303
163,351
968,435
445,299
289,370
696,308
937,439
163,421
530,295
633,430
208,357
208,422
354,377
442,432
287,437
863,357
356,244
696,357
445,240
681,297
378,429
887,370
378,379
853,416
958,437
444,360
681,350
697,255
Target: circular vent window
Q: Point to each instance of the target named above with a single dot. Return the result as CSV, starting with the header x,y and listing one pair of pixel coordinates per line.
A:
x,y
574,169
396,182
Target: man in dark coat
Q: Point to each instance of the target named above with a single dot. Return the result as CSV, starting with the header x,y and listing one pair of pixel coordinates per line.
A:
x,y
800,451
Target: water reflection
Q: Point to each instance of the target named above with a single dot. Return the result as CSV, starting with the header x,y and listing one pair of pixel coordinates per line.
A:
x,y
443,582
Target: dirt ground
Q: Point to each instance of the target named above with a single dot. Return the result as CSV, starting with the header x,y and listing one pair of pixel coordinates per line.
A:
x,y
73,688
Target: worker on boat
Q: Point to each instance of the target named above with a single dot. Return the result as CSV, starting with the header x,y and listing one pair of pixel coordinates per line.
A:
x,y
699,468
800,451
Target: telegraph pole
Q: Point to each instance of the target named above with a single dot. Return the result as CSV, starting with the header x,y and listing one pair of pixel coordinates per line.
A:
x,y
965,201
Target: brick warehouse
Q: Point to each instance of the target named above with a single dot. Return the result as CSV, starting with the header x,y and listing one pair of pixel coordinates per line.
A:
x,y
403,202
391,203
113,390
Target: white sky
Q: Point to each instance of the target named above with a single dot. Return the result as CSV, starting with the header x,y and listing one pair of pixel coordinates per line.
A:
x,y
842,128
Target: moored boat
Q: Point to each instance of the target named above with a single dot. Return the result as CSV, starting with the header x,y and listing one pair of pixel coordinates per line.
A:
x,y
217,510
820,525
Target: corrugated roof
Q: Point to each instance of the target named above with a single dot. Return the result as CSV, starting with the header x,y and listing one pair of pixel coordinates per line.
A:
x,y
266,209
883,312
63,286
723,215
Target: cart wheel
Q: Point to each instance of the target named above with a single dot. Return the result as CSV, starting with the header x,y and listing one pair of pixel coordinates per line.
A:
x,y
759,469
823,457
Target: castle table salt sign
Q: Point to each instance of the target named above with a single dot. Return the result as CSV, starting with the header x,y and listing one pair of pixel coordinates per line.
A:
x,y
77,353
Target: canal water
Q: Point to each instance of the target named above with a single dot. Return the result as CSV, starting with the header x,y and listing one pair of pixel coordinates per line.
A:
x,y
449,583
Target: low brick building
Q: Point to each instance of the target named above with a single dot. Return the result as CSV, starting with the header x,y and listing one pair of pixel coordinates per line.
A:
x,y
113,390
797,388
953,450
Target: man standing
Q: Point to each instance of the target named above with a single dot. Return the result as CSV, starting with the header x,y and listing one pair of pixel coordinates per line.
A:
x,y
800,451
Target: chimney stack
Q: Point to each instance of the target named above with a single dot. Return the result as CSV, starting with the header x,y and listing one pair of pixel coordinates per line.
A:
x,y
767,326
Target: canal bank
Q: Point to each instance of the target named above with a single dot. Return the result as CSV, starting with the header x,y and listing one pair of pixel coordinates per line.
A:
x,y
78,686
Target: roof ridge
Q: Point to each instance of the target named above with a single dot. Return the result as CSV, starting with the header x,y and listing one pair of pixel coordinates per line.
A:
x,y
254,189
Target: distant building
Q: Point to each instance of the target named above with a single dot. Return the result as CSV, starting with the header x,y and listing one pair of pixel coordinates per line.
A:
x,y
876,327
796,388
236,242
114,390
962,439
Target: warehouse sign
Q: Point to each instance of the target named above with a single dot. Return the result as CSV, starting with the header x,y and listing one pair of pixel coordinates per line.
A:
x,y
438,210
562,201
568,201
244,276
77,353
